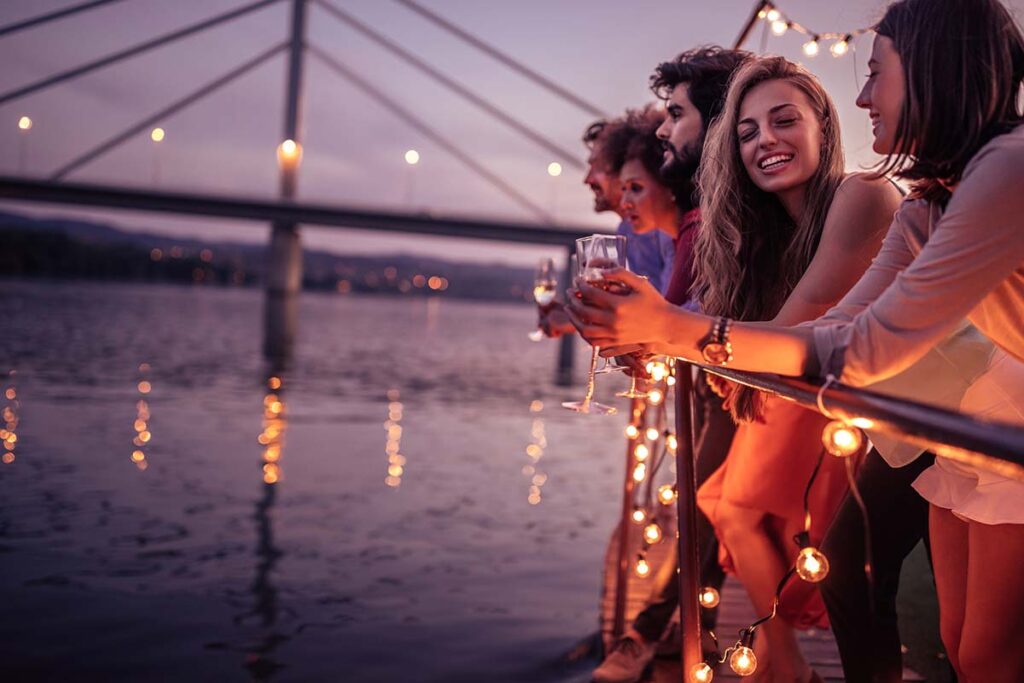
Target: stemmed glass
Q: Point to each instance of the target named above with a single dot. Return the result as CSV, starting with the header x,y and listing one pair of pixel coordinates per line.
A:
x,y
595,255
545,282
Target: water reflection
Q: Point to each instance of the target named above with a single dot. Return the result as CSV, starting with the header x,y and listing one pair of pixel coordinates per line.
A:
x,y
143,435
393,445
535,451
9,434
265,607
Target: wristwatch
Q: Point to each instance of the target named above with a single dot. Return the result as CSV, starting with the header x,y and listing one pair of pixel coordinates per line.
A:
x,y
715,347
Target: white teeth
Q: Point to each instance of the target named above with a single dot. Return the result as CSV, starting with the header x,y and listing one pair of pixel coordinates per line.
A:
x,y
774,160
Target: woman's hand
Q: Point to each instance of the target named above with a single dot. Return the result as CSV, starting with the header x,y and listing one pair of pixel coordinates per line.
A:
x,y
630,312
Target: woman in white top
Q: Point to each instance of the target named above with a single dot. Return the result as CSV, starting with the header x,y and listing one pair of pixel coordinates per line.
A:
x,y
943,98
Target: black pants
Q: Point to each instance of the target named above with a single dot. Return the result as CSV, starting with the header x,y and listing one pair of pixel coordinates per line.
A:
x,y
864,621
715,430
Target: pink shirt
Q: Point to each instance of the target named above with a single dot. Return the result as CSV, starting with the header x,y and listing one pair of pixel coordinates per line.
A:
x,y
678,290
934,269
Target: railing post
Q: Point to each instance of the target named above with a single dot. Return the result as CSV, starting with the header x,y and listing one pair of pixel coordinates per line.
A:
x,y
638,407
567,344
686,502
284,261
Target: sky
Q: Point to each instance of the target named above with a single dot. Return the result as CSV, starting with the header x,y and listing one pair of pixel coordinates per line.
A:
x,y
353,147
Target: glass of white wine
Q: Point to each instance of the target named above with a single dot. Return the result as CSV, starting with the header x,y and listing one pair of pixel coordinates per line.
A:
x,y
596,255
545,283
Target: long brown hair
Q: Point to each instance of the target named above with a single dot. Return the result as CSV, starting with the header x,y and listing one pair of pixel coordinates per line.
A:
x,y
963,63
750,253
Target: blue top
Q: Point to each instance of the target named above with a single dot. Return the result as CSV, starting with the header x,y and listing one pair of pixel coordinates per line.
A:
x,y
649,254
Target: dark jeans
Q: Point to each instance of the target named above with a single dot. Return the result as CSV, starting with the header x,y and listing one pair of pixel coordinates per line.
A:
x,y
715,430
867,635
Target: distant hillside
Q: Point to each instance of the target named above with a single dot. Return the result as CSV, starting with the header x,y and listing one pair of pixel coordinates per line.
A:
x,y
67,248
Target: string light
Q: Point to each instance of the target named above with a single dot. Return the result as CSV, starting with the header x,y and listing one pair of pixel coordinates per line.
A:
x,y
701,673
709,597
652,533
641,568
779,24
642,452
743,661
655,397
554,169
639,515
639,472
412,157
841,440
157,135
666,494
841,46
811,565
25,123
652,433
632,432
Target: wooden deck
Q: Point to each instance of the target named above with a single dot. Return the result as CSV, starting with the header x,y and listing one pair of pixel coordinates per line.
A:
x,y
734,614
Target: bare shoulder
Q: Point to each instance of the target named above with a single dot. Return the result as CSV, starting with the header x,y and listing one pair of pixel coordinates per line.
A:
x,y
861,187
863,207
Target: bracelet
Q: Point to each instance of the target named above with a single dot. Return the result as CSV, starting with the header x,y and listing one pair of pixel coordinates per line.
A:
x,y
715,347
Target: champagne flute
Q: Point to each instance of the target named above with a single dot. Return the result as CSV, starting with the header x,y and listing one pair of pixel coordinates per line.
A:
x,y
545,282
596,255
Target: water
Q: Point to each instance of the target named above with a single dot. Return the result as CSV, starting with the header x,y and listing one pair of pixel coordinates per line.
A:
x,y
194,568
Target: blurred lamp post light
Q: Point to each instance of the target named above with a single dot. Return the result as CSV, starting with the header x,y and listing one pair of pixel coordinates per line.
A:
x,y
412,158
157,135
289,154
24,126
554,170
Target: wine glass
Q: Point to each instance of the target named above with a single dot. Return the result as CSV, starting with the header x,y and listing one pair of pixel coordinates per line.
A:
x,y
545,282
596,255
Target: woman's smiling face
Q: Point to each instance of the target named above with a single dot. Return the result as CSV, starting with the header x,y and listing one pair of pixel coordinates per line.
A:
x,y
883,95
779,136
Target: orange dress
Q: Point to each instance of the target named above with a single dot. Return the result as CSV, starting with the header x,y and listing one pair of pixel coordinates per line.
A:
x,y
767,469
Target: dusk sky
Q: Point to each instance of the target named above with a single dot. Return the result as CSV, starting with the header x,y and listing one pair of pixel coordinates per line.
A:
x,y
603,51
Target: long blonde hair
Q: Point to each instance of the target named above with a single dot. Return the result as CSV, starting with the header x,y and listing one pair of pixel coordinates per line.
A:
x,y
749,253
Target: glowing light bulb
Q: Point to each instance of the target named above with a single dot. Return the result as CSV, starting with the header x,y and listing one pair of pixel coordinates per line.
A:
x,y
671,441
554,169
639,472
289,153
666,494
632,432
841,440
24,123
655,397
658,370
762,14
701,673
709,597
773,15
811,565
639,516
157,135
642,452
743,661
840,48
652,433
779,27
670,380
652,533
412,157
641,568
811,47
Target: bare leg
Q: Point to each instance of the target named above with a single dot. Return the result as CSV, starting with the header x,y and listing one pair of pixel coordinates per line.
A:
x,y
760,566
990,642
949,536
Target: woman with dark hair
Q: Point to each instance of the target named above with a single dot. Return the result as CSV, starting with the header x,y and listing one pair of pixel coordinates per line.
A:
x,y
943,95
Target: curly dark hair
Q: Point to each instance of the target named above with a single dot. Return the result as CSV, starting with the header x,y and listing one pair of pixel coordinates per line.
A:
x,y
630,136
705,71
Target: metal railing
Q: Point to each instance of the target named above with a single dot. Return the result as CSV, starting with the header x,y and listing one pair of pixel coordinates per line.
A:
x,y
993,446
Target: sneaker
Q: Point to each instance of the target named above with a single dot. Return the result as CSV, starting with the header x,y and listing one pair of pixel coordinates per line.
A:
x,y
627,661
